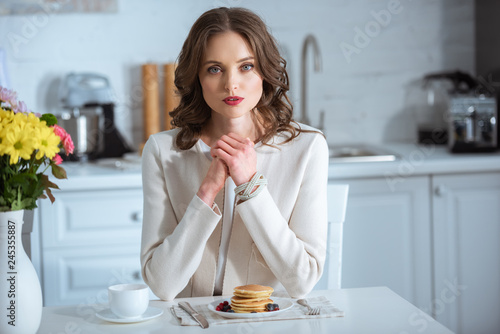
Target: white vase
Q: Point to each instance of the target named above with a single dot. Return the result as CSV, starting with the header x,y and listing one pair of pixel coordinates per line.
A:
x,y
20,292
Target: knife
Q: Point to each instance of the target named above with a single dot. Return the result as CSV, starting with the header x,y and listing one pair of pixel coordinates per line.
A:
x,y
192,312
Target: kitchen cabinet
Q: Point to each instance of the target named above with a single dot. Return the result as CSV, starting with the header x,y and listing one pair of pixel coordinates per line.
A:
x,y
466,220
387,237
76,275
434,239
90,239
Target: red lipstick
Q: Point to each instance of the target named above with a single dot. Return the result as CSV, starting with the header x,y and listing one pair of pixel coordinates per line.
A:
x,y
233,100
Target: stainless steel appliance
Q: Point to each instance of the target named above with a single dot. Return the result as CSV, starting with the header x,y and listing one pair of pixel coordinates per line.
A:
x,y
87,113
473,124
83,124
463,114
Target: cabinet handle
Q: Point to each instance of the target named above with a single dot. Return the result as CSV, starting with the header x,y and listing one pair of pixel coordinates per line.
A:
x,y
440,191
137,217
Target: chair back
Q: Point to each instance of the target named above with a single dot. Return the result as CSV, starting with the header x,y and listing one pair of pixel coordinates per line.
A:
x,y
337,205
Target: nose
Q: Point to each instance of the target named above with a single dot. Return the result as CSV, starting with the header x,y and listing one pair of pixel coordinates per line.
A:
x,y
231,83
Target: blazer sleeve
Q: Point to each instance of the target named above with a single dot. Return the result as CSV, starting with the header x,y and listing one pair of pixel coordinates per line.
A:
x,y
171,250
294,250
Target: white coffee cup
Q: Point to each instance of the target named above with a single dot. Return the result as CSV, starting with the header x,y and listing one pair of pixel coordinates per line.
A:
x,y
128,300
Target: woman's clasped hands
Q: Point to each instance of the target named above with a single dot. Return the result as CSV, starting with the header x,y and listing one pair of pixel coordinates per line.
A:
x,y
233,156
239,156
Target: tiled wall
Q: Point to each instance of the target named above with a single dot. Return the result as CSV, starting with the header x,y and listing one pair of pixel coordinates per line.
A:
x,y
371,52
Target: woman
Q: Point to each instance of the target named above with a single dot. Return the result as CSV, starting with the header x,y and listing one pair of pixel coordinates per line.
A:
x,y
234,134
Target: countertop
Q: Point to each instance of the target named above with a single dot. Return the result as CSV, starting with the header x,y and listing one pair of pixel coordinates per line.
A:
x,y
367,310
413,160
101,174
418,160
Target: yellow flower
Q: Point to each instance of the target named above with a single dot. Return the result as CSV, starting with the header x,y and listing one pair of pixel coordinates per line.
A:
x,y
18,144
2,141
35,121
5,116
47,142
19,119
5,119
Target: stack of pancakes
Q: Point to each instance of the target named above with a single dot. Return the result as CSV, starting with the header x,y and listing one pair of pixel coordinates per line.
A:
x,y
251,298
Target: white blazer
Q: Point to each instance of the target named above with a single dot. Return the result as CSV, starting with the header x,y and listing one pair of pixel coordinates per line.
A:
x,y
278,238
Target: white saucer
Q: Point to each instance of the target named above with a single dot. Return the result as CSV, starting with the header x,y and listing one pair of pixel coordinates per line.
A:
x,y
151,313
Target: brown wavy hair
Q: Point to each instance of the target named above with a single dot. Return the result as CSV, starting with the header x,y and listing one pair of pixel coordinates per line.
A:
x,y
274,107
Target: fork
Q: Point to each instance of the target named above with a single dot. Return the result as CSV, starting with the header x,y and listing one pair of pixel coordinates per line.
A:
x,y
310,310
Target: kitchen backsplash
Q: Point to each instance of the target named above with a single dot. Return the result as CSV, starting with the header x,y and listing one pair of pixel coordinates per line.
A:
x,y
371,52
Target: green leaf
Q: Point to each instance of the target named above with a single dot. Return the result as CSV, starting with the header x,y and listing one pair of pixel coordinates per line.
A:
x,y
22,179
58,172
25,204
49,119
4,208
17,203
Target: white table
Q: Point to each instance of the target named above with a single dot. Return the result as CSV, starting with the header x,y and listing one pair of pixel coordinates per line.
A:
x,y
367,310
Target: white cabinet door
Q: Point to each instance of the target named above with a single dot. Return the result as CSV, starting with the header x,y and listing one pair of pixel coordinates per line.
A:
x,y
387,237
86,218
81,275
467,252
89,240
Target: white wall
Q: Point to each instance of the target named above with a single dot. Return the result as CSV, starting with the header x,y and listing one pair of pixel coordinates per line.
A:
x,y
363,94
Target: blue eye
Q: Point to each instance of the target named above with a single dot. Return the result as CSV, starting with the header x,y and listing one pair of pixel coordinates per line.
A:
x,y
213,70
247,67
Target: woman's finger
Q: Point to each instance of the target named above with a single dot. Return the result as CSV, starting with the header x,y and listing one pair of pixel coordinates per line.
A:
x,y
228,146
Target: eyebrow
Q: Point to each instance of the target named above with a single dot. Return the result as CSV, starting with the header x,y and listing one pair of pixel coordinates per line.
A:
x,y
218,62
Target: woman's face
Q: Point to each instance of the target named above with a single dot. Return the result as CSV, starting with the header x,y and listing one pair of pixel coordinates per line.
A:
x,y
231,84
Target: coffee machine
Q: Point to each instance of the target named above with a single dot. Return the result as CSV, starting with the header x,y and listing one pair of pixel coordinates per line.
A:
x,y
466,116
473,124
87,113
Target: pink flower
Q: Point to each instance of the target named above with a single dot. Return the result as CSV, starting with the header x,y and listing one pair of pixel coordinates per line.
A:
x,y
60,132
21,107
8,96
57,159
68,144
66,140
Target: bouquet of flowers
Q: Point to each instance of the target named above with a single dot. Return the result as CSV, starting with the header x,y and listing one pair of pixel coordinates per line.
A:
x,y
29,145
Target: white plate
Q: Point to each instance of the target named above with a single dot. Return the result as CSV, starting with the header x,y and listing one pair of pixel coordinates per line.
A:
x,y
283,303
151,313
